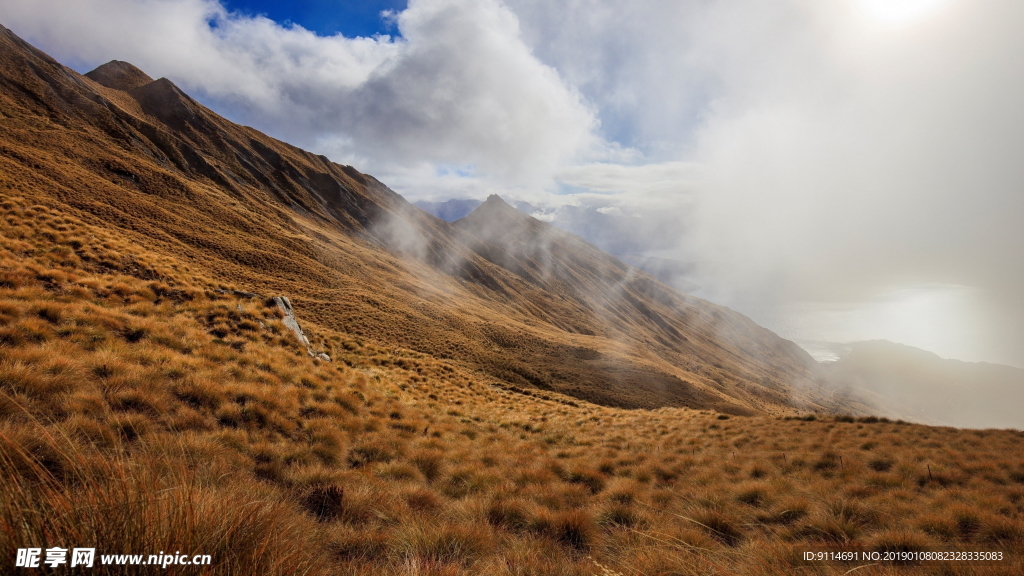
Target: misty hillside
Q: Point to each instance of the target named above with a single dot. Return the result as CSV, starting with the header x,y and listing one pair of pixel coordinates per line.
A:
x,y
614,233
529,308
636,311
911,383
671,272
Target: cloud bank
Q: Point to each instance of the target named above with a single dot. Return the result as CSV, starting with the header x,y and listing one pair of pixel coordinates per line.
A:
x,y
458,88
847,151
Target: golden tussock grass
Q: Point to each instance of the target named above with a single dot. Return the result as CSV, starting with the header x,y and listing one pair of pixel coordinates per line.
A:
x,y
164,412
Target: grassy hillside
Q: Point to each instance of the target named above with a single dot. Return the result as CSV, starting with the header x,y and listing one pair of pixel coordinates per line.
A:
x,y
145,407
138,156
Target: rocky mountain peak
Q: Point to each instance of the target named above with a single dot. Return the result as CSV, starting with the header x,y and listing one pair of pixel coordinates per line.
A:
x,y
119,75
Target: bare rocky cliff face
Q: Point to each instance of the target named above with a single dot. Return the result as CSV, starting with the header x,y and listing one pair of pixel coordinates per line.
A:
x,y
507,295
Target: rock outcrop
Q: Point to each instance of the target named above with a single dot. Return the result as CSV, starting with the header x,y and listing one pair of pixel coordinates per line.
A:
x,y
285,305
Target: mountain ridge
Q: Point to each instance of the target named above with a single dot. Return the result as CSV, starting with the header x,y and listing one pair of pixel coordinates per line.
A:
x,y
358,257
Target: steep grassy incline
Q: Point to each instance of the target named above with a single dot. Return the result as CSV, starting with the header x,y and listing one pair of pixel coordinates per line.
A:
x,y
126,152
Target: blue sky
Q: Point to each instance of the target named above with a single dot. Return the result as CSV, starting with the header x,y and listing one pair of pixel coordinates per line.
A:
x,y
325,17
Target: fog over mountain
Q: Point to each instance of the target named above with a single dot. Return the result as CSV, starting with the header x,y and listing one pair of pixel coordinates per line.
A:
x,y
627,237
512,296
449,210
607,228
910,383
844,170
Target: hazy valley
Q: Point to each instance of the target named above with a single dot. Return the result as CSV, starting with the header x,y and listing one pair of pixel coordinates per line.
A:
x,y
907,382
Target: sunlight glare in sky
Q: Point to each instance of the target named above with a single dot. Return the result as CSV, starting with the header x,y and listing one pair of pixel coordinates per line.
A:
x,y
944,319
898,12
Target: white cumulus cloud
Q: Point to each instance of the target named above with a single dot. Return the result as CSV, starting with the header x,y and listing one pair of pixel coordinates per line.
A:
x,y
458,87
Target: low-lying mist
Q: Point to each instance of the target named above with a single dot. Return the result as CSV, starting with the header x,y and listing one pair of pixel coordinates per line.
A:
x,y
904,382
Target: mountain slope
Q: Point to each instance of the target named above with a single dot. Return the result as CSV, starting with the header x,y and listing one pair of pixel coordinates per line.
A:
x,y
721,352
141,156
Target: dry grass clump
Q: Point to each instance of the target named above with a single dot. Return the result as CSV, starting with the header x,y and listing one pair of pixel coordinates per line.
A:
x,y
141,412
57,492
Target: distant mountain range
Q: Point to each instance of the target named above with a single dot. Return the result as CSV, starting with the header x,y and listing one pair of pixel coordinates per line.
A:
x,y
625,237
614,233
910,383
449,210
